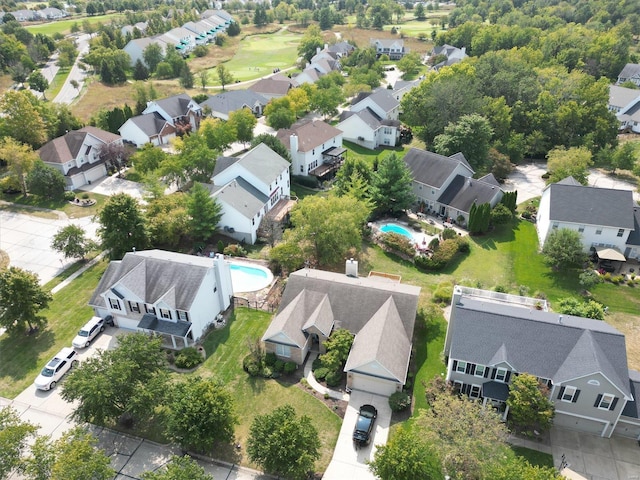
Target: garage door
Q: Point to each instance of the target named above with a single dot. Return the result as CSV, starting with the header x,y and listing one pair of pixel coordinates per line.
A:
x,y
370,384
581,424
127,323
627,430
95,173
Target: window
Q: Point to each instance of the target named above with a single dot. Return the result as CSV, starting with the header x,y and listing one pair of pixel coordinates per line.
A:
x,y
114,304
555,225
475,391
150,309
182,315
301,168
501,375
134,307
165,313
581,229
598,231
606,402
283,350
568,394
461,367
480,369
620,232
457,387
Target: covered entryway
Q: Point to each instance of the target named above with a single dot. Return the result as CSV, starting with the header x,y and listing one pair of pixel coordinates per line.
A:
x,y
577,423
370,384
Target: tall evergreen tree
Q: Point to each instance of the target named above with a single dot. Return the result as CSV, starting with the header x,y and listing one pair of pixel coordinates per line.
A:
x,y
204,211
392,190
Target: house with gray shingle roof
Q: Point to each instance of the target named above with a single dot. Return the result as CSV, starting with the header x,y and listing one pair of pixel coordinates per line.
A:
x,y
178,110
222,104
248,188
367,129
315,148
275,86
135,48
378,312
445,185
604,217
630,73
625,103
77,155
493,338
149,128
171,294
392,47
452,55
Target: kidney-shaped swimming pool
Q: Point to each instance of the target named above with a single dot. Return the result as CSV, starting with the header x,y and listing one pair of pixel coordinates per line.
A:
x,y
249,278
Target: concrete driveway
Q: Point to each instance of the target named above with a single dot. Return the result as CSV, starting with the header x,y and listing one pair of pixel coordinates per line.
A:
x,y
594,457
347,462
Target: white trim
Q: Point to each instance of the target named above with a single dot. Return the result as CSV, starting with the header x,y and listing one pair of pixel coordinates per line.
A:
x,y
484,369
479,387
564,392
498,370
599,420
464,370
603,376
608,407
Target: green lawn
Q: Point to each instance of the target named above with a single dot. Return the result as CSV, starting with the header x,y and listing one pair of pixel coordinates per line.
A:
x,y
64,26
255,396
369,156
534,457
258,55
19,202
22,357
58,82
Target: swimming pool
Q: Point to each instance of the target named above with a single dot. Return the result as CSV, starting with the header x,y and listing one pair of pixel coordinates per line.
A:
x,y
395,228
249,278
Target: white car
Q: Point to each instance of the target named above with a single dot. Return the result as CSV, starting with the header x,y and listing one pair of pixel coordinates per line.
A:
x,y
56,368
87,333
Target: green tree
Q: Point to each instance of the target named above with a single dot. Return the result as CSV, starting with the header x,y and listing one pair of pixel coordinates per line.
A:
x,y
152,56
624,157
283,443
392,190
122,226
72,242
573,162
512,466
530,409
310,42
260,18
243,121
179,468
464,434
140,71
225,77
501,215
21,120
167,219
37,466
273,143
280,113
219,134
471,135
123,384
195,160
186,77
205,213
148,158
409,64
14,438
203,76
21,300
419,12
479,218
37,82
563,248
406,456
588,309
338,346
326,100
351,168
46,181
200,414
67,53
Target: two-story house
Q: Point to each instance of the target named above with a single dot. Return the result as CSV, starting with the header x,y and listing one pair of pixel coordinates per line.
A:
x,y
392,47
445,185
450,53
625,103
372,120
630,73
172,294
492,337
77,155
248,188
315,148
222,104
135,48
276,86
604,217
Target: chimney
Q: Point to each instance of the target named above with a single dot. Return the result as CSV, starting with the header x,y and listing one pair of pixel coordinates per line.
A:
x,y
293,143
351,268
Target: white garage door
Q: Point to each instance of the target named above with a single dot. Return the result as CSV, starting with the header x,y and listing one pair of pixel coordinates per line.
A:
x,y
581,424
370,384
127,323
96,173
627,430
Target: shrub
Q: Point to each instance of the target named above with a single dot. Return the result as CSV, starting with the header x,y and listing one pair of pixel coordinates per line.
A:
x,y
501,214
267,372
589,278
607,277
188,358
235,250
278,366
500,289
617,279
443,293
446,251
317,363
304,382
434,244
333,379
270,359
398,243
69,196
321,373
425,263
251,365
399,401
290,367
309,182
85,196
630,282
200,51
220,246
463,245
526,215
449,233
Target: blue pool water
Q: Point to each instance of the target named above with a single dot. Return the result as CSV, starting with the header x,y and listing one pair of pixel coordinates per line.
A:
x,y
392,227
248,278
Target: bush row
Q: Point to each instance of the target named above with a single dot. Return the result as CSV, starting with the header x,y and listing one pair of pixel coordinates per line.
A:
x,y
443,253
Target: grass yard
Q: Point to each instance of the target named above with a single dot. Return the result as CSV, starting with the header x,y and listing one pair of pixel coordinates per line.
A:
x,y
369,156
258,55
29,204
64,26
58,81
255,396
534,457
22,357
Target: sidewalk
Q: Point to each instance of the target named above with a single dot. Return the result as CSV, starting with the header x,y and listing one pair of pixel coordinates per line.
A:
x,y
313,383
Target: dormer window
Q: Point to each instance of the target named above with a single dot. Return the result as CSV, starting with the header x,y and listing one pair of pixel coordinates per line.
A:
x,y
164,313
114,304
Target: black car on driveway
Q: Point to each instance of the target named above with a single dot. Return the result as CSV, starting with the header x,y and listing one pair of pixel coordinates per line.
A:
x,y
364,425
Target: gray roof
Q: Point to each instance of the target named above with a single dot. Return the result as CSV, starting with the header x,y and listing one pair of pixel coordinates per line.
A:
x,y
389,308
620,97
495,390
591,206
310,135
233,100
272,86
490,179
264,163
179,328
545,344
463,192
240,195
150,123
630,70
156,274
632,408
175,106
67,147
432,168
368,116
634,236
381,97
342,47
222,163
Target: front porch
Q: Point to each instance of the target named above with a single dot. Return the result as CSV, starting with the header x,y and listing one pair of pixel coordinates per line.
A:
x,y
175,334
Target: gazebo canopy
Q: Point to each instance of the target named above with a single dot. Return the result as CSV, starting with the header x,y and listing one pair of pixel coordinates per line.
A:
x,y
610,254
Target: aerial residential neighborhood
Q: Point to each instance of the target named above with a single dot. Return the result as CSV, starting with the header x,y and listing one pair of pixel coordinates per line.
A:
x,y
301,240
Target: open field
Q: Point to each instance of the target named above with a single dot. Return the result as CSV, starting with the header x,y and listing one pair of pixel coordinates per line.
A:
x,y
64,26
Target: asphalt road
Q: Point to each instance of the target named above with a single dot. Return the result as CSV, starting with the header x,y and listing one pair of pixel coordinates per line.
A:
x,y
68,92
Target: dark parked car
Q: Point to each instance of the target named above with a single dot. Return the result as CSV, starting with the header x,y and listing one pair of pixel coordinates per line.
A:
x,y
364,425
